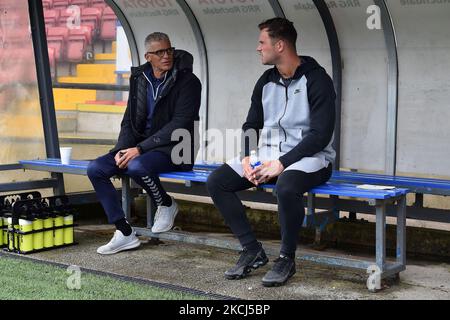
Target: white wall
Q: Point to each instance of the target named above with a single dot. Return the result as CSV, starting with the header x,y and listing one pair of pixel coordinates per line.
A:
x,y
312,37
231,35
423,35
364,87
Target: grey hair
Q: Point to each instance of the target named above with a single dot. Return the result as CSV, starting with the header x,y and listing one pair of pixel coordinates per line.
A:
x,y
156,36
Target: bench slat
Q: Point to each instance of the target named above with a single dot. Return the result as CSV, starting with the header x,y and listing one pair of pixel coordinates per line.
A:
x,y
75,167
349,190
201,173
343,176
357,177
426,185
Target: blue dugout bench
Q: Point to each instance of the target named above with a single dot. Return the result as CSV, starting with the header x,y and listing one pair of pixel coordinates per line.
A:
x,y
378,199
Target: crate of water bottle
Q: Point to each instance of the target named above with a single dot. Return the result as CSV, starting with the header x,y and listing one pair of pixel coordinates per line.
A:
x,y
39,224
6,204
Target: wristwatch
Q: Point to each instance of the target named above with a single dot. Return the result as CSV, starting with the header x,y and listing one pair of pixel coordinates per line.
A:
x,y
140,149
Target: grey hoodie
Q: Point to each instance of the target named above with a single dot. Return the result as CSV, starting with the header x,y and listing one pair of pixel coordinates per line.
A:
x,y
294,121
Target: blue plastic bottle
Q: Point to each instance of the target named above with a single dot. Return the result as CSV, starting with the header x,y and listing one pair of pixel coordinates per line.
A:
x,y
254,162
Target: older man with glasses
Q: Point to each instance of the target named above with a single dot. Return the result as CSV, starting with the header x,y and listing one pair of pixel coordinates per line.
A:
x,y
164,96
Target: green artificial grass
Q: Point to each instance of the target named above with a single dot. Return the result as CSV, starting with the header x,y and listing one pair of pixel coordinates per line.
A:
x,y
27,280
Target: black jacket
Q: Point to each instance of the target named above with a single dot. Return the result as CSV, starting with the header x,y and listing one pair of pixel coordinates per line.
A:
x,y
176,107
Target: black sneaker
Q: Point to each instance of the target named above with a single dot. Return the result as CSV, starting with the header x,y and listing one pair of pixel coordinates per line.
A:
x,y
247,261
282,270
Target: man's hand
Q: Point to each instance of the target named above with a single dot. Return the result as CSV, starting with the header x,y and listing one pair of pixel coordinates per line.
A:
x,y
248,170
126,155
267,171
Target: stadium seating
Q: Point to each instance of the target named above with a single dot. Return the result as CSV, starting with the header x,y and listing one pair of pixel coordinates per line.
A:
x,y
71,44
52,62
91,17
108,25
47,4
51,17
98,4
60,4
81,3
51,57
56,39
76,44
63,16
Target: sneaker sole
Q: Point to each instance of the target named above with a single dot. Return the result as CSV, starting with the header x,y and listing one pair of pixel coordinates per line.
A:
x,y
128,246
277,284
171,224
247,270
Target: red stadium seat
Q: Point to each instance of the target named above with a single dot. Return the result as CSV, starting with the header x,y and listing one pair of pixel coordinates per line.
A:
x,y
51,17
76,47
77,43
98,4
81,3
108,12
91,17
47,4
62,4
88,32
108,25
56,39
51,57
52,62
65,16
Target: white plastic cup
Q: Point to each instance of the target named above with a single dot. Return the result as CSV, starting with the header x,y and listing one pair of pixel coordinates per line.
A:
x,y
66,152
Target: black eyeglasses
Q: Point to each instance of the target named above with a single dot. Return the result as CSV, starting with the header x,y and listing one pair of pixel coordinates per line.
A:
x,y
160,53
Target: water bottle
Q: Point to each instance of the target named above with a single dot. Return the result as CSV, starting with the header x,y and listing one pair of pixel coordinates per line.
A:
x,y
68,230
254,162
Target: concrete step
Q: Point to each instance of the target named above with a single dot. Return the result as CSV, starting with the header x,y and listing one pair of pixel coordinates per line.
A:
x,y
105,56
99,122
67,121
67,99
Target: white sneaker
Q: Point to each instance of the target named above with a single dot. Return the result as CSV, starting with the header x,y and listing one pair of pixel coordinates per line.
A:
x,y
164,217
119,242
